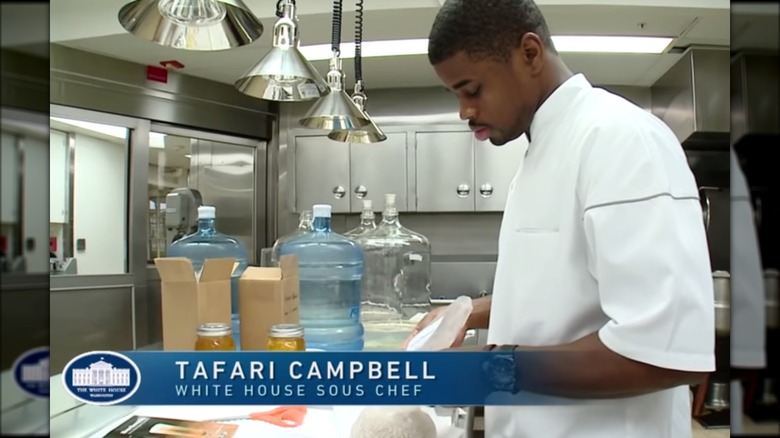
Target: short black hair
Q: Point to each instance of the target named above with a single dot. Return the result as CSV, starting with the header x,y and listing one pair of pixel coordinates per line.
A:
x,y
484,28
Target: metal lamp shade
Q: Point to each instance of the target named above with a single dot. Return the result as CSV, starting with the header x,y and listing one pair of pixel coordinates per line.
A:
x,y
205,25
335,112
283,75
366,134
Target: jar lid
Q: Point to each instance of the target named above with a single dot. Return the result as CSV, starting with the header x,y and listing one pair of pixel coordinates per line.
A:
x,y
214,329
286,331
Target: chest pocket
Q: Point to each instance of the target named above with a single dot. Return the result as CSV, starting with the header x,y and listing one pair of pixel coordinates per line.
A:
x,y
535,206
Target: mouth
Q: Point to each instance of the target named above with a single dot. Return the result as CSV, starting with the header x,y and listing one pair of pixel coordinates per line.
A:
x,y
481,133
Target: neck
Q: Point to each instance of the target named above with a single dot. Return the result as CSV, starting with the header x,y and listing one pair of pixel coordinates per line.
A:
x,y
206,226
554,74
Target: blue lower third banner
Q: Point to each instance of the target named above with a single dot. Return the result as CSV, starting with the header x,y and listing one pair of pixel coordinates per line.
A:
x,y
305,378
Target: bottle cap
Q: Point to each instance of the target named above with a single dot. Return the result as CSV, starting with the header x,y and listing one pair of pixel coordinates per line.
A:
x,y
367,204
389,199
207,212
321,210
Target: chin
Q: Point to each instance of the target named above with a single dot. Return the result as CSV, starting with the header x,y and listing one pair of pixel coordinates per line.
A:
x,y
498,141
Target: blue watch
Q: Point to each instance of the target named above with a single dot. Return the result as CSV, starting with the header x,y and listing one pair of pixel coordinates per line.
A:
x,y
501,369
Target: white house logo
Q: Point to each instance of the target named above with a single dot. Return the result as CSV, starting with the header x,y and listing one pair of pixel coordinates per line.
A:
x,y
101,378
31,372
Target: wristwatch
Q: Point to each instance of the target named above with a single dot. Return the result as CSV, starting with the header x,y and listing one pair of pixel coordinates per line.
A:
x,y
501,369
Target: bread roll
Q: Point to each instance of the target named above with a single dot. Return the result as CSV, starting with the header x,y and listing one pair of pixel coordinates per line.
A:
x,y
393,422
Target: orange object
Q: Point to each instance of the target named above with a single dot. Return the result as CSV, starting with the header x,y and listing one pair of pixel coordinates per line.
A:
x,y
283,416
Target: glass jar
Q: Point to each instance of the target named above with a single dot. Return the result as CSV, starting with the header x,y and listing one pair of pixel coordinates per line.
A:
x,y
215,336
286,337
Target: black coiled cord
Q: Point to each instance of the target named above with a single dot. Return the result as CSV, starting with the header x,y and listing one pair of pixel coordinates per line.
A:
x,y
279,7
336,30
358,41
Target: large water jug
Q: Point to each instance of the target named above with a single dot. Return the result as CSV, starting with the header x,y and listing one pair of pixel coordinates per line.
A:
x,y
330,269
208,243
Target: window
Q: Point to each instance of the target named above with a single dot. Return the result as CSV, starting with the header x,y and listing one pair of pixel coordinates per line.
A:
x,y
189,168
88,196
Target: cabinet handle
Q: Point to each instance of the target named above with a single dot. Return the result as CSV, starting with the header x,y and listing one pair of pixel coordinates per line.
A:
x,y
486,190
463,190
339,192
361,192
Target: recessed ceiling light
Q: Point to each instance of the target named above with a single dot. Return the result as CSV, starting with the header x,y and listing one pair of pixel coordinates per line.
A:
x,y
563,43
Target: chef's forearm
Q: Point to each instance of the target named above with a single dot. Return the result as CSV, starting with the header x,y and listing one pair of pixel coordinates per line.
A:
x,y
588,369
480,315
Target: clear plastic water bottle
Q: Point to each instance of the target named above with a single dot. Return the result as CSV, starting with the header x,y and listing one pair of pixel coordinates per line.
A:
x,y
304,226
367,221
208,243
330,269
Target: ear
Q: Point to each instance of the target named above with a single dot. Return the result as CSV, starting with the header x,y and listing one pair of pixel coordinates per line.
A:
x,y
532,51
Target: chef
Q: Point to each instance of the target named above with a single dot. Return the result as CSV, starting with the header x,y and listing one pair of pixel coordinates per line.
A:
x,y
602,253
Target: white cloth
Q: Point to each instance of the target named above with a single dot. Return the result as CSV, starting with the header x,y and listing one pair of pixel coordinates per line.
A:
x,y
603,232
748,300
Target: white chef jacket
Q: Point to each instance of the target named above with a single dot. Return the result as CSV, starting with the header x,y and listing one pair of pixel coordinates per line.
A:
x,y
603,232
748,300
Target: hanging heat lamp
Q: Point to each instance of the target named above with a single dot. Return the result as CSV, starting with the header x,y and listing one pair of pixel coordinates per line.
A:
x,y
335,111
204,25
284,74
369,133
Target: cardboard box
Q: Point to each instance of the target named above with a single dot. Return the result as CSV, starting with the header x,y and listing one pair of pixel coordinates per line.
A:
x,y
266,297
189,300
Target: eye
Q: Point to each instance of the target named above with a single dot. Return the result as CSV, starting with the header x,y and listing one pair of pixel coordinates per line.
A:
x,y
473,92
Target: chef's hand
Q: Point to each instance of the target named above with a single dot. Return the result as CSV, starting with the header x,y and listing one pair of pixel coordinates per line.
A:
x,y
427,320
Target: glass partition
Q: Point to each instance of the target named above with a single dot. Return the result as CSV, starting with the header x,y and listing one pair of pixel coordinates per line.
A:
x,y
188,168
88,196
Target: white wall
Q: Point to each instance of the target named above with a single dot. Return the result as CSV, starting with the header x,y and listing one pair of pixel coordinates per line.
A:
x,y
58,177
34,205
100,199
9,210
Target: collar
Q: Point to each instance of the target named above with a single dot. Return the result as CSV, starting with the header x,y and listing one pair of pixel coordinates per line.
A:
x,y
556,105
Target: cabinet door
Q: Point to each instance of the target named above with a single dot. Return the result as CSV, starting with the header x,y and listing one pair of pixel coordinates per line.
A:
x,y
58,177
445,172
321,173
378,169
495,166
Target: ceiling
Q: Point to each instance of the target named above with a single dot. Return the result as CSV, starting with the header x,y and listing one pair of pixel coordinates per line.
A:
x,y
92,26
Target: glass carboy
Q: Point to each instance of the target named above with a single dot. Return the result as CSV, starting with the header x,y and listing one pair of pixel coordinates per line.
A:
x,y
330,269
397,270
208,243
367,221
304,226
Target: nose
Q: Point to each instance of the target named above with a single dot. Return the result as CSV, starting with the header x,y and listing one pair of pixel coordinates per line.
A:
x,y
467,112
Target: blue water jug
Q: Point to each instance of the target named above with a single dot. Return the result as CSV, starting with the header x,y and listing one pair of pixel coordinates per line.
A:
x,y
208,243
331,270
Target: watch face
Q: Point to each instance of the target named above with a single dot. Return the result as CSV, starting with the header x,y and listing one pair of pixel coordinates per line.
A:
x,y
500,371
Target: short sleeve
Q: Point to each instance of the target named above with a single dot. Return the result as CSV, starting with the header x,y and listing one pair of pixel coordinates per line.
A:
x,y
647,247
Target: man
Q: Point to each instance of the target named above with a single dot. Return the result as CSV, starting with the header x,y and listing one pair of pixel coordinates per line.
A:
x,y
602,250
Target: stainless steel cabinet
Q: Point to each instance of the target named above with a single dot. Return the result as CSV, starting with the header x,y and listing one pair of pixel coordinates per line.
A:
x,y
321,173
494,168
377,169
445,171
342,174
